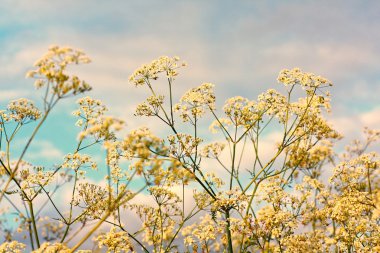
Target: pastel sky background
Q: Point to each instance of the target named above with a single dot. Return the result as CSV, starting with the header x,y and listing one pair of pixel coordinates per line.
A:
x,y
240,46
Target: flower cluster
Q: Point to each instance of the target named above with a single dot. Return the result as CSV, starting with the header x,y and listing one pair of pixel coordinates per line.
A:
x,y
95,124
183,145
32,178
151,71
273,103
89,109
308,157
203,234
102,128
51,71
115,241
159,219
12,247
241,111
193,103
150,107
232,199
23,110
304,79
93,198
213,150
76,161
52,248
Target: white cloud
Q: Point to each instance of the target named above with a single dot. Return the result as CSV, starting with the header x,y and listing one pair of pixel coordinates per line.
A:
x,y
371,119
334,60
8,95
44,150
353,125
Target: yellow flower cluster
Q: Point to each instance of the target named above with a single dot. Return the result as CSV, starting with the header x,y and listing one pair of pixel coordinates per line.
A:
x,y
76,161
150,107
159,220
183,145
12,247
115,241
241,111
205,233
273,103
313,242
89,109
306,80
52,248
213,150
93,198
32,178
22,110
151,71
308,156
232,199
95,124
102,128
51,70
193,103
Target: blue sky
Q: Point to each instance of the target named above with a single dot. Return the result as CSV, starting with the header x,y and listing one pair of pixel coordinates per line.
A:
x,y
238,45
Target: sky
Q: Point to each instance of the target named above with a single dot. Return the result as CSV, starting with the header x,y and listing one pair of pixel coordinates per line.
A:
x,y
239,45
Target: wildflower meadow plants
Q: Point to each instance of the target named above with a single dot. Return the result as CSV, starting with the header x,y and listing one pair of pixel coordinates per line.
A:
x,y
299,196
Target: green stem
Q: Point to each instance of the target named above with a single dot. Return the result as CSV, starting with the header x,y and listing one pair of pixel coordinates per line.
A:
x,y
228,231
34,222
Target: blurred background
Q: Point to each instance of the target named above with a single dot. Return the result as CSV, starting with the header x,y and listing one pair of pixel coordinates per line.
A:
x,y
240,46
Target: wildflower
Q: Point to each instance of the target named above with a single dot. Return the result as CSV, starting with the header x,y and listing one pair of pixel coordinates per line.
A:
x,y
23,110
12,247
76,161
150,107
213,150
151,71
241,111
51,71
195,101
306,80
114,241
183,144
47,247
90,108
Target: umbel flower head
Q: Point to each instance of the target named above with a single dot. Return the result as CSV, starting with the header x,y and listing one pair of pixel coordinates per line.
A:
x,y
147,72
306,80
51,71
193,103
23,110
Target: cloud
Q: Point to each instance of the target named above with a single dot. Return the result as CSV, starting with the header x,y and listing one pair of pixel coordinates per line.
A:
x,y
17,63
241,54
333,60
352,126
45,151
8,95
371,118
